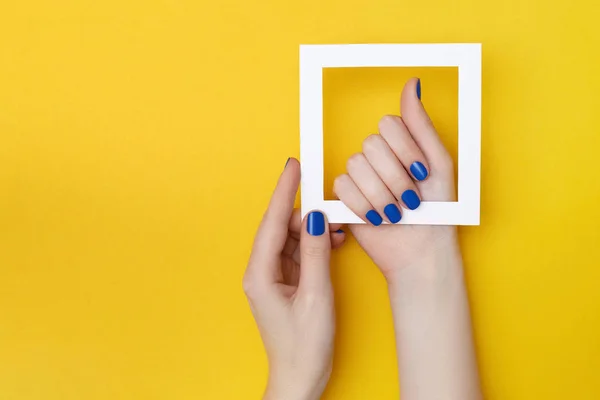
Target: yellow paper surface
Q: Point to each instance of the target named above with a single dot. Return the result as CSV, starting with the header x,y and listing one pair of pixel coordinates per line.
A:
x,y
139,144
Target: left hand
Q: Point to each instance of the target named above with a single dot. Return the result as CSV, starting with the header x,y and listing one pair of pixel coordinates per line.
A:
x,y
288,286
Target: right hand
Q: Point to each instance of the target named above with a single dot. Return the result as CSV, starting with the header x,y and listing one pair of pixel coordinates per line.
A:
x,y
405,163
289,289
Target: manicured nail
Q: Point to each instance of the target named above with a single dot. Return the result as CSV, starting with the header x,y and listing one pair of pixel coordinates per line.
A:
x,y
410,198
419,89
419,171
393,213
286,163
315,225
339,231
374,217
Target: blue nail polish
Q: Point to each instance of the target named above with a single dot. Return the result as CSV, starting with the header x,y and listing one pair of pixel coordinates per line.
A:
x,y
410,198
315,224
339,231
286,163
419,89
393,213
419,171
374,217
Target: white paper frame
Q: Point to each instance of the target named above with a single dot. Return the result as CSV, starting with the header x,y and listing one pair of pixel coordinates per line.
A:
x,y
467,57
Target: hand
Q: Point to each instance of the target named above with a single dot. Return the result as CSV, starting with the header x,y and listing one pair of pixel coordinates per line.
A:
x,y
405,163
288,286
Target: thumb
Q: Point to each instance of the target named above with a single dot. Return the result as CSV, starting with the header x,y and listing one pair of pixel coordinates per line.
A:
x,y
315,252
420,125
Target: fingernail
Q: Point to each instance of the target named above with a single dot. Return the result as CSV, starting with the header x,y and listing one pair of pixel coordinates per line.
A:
x,y
419,171
315,225
393,213
339,231
286,163
419,89
374,217
410,198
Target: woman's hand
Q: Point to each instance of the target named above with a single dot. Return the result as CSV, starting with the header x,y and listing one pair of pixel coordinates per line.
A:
x,y
288,286
407,162
404,164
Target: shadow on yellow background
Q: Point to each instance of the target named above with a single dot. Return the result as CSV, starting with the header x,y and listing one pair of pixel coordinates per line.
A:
x,y
140,142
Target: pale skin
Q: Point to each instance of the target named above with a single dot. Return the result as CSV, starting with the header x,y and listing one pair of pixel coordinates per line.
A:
x,y
288,283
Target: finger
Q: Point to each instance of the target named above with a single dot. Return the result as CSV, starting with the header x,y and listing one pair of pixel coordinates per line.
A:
x,y
315,251
338,238
390,170
440,187
347,191
335,227
369,183
296,225
397,136
273,230
420,126
291,249
291,244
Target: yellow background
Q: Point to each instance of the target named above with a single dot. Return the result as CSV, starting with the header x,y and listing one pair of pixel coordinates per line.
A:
x,y
140,141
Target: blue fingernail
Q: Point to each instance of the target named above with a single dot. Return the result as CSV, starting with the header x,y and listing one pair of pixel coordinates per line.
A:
x,y
393,213
286,163
419,171
419,89
339,231
374,217
315,225
410,198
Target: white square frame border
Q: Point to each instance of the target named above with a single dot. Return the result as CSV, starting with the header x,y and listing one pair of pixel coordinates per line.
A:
x,y
465,56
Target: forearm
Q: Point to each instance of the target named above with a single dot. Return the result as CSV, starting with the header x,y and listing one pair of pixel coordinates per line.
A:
x,y
436,357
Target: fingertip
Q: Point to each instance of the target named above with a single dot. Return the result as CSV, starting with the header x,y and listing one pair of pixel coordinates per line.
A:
x,y
419,171
412,92
291,161
335,227
374,217
291,168
316,223
411,199
337,240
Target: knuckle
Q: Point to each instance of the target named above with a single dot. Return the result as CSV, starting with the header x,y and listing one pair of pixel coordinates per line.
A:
x,y
315,252
339,182
371,143
401,179
388,120
249,285
315,299
354,160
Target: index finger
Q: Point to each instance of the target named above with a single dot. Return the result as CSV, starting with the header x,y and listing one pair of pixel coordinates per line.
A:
x,y
273,230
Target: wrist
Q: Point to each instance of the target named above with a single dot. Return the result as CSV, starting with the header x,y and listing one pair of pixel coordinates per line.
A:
x,y
441,265
294,388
